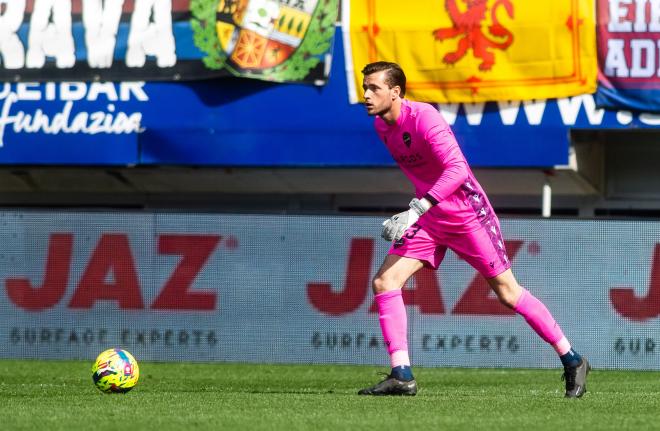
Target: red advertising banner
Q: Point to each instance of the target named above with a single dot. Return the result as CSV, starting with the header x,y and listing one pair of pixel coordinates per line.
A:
x,y
629,55
256,288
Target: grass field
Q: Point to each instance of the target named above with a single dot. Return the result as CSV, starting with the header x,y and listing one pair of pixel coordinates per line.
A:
x,y
59,395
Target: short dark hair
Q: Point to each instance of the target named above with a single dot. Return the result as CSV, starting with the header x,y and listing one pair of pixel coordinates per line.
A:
x,y
393,77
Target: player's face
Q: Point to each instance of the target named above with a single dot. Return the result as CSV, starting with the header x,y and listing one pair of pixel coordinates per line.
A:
x,y
378,96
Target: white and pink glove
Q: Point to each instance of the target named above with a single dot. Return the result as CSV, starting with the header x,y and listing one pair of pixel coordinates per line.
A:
x,y
395,226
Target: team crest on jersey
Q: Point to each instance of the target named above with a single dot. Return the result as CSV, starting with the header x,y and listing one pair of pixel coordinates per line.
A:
x,y
407,140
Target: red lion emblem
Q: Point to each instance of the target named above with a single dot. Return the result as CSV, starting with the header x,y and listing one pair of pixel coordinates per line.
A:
x,y
467,26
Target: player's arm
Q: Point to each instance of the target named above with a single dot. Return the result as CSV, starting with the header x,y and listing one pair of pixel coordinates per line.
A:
x,y
448,155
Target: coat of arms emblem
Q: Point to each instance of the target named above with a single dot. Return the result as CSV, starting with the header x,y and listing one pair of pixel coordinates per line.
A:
x,y
264,37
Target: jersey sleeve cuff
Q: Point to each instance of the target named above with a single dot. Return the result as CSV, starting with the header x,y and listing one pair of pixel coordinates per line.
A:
x,y
431,199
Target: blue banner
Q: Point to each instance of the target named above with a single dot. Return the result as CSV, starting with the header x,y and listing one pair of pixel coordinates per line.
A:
x,y
244,122
71,123
634,99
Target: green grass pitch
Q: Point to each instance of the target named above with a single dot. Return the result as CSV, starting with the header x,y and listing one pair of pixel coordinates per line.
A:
x,y
60,395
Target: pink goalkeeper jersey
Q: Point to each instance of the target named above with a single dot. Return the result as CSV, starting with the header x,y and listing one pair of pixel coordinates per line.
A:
x,y
425,148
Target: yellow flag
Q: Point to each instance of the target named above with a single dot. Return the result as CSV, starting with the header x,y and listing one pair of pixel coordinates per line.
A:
x,y
478,50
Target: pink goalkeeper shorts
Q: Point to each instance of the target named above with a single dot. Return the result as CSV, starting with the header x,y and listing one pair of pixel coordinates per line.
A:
x,y
483,248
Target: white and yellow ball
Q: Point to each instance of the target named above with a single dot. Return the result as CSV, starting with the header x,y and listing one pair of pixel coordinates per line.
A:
x,y
115,371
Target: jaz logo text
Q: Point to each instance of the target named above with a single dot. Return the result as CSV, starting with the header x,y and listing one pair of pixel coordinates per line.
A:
x,y
111,274
635,307
425,291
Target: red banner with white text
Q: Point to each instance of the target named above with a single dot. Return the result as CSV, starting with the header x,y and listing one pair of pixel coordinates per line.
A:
x,y
629,55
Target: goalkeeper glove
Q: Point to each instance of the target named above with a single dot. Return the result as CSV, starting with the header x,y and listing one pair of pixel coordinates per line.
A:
x,y
395,226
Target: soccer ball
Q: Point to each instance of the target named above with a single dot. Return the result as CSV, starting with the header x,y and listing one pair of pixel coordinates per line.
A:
x,y
115,371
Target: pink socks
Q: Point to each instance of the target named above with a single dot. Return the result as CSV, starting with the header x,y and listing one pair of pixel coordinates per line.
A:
x,y
394,325
540,319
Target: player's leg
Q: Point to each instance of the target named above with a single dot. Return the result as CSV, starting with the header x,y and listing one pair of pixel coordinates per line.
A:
x,y
539,318
387,285
484,249
392,316
405,257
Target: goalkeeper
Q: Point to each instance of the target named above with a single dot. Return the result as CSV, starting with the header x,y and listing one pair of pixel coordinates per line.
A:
x,y
450,210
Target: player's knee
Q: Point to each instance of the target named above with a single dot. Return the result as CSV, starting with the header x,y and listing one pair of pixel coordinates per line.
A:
x,y
506,300
511,295
508,294
381,284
